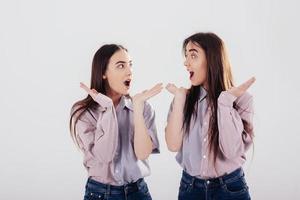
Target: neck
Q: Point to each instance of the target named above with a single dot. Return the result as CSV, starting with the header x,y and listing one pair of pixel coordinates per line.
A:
x,y
116,97
205,86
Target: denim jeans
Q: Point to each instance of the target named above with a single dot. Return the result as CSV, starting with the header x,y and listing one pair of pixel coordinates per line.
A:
x,y
95,190
231,186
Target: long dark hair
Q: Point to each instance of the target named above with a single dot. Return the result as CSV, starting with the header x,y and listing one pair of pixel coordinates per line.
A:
x,y
219,78
99,66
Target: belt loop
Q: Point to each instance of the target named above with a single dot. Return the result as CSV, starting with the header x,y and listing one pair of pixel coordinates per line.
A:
x,y
126,190
221,181
191,185
138,184
242,173
193,181
107,193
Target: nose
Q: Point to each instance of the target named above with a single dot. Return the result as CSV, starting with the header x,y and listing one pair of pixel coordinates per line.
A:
x,y
129,70
186,63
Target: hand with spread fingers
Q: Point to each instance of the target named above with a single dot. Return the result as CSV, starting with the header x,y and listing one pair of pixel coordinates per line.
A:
x,y
178,92
241,89
92,92
139,99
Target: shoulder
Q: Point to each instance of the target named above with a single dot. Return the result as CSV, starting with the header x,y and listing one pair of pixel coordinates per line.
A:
x,y
83,114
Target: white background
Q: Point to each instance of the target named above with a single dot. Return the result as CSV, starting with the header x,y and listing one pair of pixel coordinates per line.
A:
x,y
46,49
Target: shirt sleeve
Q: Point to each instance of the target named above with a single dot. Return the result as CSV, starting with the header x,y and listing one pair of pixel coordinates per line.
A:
x,y
98,138
234,140
149,116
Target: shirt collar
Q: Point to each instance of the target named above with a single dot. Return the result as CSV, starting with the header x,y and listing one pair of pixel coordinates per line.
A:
x,y
125,101
203,93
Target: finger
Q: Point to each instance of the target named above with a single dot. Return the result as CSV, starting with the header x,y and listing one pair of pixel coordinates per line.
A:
x,y
159,85
153,92
150,91
149,95
156,88
247,84
170,85
86,88
94,91
171,88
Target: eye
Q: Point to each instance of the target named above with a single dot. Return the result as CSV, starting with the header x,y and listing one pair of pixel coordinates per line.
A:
x,y
193,56
121,66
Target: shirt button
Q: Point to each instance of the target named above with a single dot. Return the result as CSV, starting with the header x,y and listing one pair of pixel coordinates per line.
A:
x,y
204,156
207,182
204,140
116,171
205,123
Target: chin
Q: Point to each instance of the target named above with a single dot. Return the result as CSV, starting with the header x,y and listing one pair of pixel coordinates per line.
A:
x,y
195,84
125,92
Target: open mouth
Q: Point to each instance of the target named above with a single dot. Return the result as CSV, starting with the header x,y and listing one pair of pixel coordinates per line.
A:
x,y
191,74
127,83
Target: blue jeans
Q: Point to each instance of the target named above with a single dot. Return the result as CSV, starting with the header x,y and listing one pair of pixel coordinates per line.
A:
x,y
231,186
132,191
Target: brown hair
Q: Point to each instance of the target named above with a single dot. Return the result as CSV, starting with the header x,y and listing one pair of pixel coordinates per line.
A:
x,y
99,66
219,78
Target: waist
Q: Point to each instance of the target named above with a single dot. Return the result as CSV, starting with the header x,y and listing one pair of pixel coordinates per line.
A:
x,y
227,178
113,189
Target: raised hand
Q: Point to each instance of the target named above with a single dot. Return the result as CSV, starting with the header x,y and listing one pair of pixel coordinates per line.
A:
x,y
173,89
139,99
241,89
92,92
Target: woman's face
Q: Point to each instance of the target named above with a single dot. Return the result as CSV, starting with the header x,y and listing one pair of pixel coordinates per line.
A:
x,y
119,73
196,65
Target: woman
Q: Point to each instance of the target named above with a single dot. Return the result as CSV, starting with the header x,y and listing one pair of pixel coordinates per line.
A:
x,y
116,133
210,124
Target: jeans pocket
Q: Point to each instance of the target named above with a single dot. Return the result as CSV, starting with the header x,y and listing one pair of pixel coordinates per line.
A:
x,y
144,189
183,187
143,192
237,186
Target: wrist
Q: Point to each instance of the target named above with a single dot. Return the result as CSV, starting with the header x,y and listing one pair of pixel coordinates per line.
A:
x,y
138,108
179,97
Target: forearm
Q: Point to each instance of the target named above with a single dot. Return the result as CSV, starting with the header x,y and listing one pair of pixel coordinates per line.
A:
x,y
101,138
142,141
230,126
174,132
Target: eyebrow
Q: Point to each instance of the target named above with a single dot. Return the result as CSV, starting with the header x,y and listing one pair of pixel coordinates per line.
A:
x,y
192,50
122,62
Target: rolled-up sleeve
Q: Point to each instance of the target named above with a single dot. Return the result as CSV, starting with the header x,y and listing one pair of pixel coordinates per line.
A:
x,y
98,138
234,139
149,116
